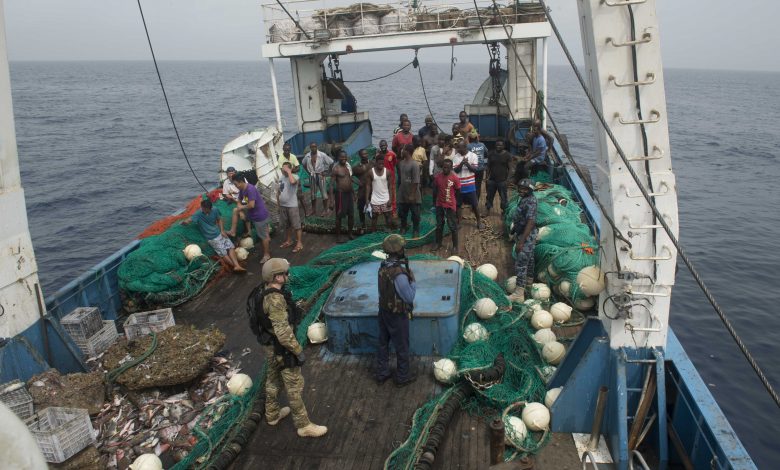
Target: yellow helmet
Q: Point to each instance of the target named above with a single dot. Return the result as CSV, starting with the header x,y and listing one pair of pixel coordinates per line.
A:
x,y
274,266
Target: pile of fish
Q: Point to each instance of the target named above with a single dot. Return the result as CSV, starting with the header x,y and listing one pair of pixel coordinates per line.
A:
x,y
160,421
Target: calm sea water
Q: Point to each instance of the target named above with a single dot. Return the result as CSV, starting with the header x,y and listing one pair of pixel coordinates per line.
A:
x,y
100,162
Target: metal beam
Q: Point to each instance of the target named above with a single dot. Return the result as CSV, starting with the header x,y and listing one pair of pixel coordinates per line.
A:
x,y
406,40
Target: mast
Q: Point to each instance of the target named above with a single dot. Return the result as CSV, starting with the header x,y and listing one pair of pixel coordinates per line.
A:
x,y
18,268
622,50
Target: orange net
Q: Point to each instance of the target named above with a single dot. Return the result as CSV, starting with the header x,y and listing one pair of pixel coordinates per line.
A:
x,y
163,224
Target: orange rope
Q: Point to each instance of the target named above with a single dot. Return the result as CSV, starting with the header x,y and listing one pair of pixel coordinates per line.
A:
x,y
165,223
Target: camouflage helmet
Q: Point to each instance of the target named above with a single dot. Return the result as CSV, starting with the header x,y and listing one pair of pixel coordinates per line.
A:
x,y
274,266
526,183
393,243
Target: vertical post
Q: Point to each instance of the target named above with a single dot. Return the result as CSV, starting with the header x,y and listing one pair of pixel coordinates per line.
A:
x,y
276,95
496,441
544,81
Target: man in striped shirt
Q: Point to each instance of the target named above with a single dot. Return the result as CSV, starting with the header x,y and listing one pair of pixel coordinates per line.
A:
x,y
465,166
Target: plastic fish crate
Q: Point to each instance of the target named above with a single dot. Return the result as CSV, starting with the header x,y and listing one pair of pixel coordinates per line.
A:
x,y
82,323
18,400
142,323
100,341
61,433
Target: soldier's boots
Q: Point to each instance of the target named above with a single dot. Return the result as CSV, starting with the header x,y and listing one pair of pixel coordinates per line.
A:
x,y
312,430
282,414
518,295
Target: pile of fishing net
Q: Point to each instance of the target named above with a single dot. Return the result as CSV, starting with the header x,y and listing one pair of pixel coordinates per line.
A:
x,y
157,273
564,246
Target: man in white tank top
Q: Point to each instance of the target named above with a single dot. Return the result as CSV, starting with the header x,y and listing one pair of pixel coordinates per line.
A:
x,y
379,194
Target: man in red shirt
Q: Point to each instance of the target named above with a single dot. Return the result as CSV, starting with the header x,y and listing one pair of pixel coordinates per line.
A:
x,y
403,138
391,160
446,188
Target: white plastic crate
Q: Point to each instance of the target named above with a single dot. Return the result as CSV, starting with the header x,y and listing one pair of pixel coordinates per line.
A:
x,y
82,323
16,397
61,433
100,341
142,323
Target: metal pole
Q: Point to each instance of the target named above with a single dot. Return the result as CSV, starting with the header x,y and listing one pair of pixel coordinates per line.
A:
x,y
497,445
276,95
544,80
595,430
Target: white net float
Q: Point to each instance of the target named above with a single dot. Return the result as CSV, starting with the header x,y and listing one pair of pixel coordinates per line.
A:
x,y
485,308
536,416
541,319
560,312
553,352
475,332
590,280
192,251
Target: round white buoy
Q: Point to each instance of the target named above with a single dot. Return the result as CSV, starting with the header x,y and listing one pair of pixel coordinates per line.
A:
x,y
475,332
247,243
317,333
551,396
239,384
533,304
560,312
590,280
553,352
379,254
514,429
489,271
540,291
585,304
242,253
543,233
192,251
541,319
457,259
485,308
544,336
565,288
552,272
444,370
536,416
146,462
511,284
542,276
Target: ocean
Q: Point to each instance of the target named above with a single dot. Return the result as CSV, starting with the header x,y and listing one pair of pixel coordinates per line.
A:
x,y
100,161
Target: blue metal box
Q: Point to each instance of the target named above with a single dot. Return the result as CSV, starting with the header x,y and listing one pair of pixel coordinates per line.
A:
x,y
352,308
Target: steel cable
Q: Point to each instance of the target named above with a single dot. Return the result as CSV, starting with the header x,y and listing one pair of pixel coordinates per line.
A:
x,y
165,95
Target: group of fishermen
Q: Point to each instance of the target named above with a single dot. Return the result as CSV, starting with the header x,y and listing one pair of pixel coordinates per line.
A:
x,y
454,166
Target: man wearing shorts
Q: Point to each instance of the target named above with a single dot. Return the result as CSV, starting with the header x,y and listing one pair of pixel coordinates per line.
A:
x,y
342,195
210,225
359,173
317,164
289,216
250,201
380,191
465,166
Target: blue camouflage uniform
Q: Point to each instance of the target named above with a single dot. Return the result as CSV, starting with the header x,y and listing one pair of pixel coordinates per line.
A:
x,y
524,255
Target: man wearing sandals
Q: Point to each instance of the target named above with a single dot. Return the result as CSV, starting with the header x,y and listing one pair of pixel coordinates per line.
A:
x,y
250,201
210,225
289,215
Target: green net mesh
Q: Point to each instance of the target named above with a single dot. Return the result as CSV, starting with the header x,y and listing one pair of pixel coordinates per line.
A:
x,y
157,273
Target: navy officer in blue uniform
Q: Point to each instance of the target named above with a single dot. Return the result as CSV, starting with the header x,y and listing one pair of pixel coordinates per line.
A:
x,y
524,232
396,301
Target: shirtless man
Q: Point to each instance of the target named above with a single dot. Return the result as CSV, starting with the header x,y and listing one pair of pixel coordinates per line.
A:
x,y
359,172
342,194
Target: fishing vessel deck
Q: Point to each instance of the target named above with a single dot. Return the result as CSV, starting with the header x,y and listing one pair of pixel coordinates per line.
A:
x,y
366,421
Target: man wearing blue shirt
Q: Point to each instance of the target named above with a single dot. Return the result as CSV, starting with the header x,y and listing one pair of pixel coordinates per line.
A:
x,y
536,156
396,301
209,224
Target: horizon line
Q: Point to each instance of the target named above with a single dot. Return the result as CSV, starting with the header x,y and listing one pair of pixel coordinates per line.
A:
x,y
465,62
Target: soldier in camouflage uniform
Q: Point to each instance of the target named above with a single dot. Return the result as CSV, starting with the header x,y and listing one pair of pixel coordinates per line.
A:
x,y
285,353
524,232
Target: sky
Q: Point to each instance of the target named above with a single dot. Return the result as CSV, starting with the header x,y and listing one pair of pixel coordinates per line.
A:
x,y
702,34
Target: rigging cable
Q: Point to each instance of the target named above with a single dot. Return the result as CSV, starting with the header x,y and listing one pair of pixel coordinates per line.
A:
x,y
379,78
167,104
566,150
721,314
422,84
293,19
